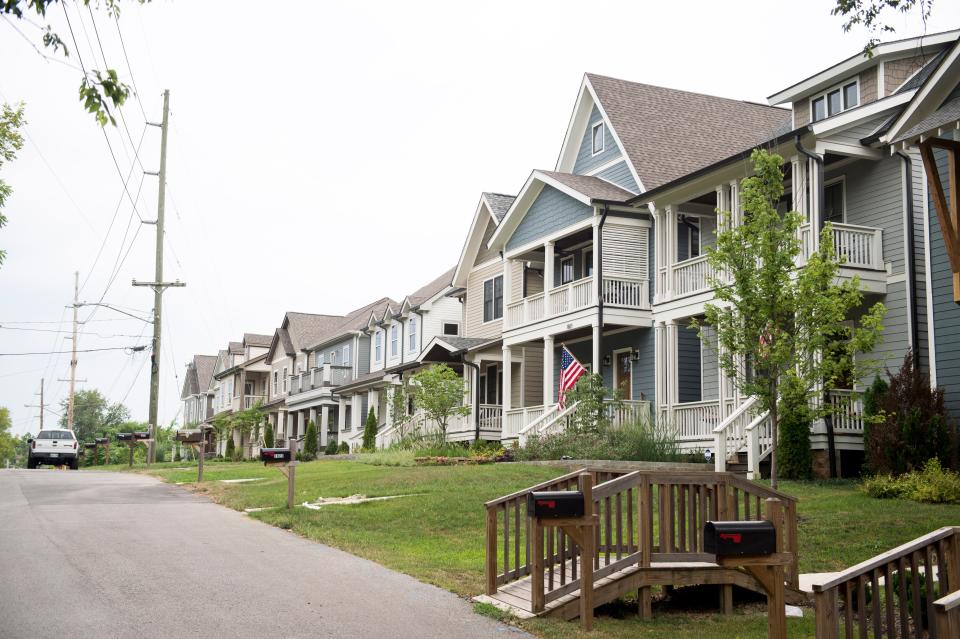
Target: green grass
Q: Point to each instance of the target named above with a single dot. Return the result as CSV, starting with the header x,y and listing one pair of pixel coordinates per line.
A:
x,y
436,533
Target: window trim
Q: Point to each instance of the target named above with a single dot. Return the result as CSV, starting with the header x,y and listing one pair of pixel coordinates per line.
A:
x,y
594,151
412,334
286,376
843,100
377,345
444,325
394,339
493,299
584,262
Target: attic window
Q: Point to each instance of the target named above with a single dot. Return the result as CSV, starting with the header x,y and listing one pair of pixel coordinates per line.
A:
x,y
597,138
835,100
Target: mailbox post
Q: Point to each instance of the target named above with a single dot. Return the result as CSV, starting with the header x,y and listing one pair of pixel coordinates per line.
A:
x,y
132,439
285,459
105,443
196,439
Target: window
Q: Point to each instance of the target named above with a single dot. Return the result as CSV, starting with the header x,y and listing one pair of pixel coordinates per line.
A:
x,y
587,262
451,328
597,137
285,379
493,299
55,434
318,360
346,355
835,100
393,340
276,375
412,334
333,358
833,208
566,270
378,346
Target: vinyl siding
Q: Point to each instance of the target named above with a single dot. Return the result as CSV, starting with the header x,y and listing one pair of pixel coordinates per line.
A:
x,y
445,309
620,175
363,355
586,161
475,327
708,359
946,314
644,371
920,259
688,365
854,134
551,211
533,377
874,197
484,254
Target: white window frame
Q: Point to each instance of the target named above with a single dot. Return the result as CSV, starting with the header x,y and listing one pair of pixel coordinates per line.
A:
x,y
412,334
377,345
584,262
394,339
573,269
334,357
843,100
346,355
842,181
493,287
444,325
593,138
286,376
276,380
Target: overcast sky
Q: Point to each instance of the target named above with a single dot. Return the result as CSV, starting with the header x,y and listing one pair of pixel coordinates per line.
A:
x,y
319,157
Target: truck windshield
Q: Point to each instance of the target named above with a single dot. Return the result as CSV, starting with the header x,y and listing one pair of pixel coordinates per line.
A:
x,y
55,434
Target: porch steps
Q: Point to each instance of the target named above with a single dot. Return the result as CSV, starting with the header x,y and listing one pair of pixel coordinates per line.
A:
x,y
740,466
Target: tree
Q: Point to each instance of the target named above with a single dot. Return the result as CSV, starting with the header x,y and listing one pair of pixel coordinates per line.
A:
x,y
439,392
590,396
399,414
310,441
11,120
98,89
93,414
268,436
370,431
8,443
871,14
772,318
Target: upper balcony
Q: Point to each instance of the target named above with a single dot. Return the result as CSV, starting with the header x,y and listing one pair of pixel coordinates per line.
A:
x,y
328,376
556,280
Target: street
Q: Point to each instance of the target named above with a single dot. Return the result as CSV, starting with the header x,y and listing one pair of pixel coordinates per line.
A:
x,y
123,555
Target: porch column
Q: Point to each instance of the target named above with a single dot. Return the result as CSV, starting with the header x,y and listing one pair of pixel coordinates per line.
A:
x,y
813,179
387,392
735,212
548,385
597,365
312,417
597,275
342,415
356,413
660,259
660,367
373,401
547,273
291,416
324,424
673,381
507,378
507,283
670,254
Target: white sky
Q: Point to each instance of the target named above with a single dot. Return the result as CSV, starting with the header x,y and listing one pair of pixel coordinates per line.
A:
x,y
323,156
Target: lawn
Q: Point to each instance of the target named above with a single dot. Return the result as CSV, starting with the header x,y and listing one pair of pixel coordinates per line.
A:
x,y
436,533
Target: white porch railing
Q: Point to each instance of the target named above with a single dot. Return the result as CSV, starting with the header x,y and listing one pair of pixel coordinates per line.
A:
x,y
695,420
555,419
573,296
691,276
730,435
516,420
249,401
627,292
847,410
859,246
490,416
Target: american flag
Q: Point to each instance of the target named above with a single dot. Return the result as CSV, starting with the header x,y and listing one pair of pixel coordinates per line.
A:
x,y
570,371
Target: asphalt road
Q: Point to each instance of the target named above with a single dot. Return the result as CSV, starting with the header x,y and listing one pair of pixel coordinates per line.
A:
x,y
93,554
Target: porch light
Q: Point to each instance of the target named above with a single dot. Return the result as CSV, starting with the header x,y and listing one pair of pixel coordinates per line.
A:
x,y
635,355
606,360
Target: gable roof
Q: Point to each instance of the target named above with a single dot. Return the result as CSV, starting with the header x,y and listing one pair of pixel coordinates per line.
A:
x,y
669,133
235,348
483,215
254,339
354,321
203,366
929,108
594,188
499,204
427,291
303,329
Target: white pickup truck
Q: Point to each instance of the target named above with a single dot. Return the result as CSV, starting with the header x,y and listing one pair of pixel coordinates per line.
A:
x,y
53,447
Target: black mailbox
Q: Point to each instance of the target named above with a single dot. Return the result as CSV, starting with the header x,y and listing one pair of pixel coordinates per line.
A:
x,y
732,538
142,434
102,440
124,437
188,436
90,445
274,455
562,504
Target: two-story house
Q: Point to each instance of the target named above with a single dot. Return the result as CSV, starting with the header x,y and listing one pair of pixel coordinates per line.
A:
x,y
196,395
241,377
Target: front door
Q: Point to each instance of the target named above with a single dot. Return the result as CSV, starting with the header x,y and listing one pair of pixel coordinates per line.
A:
x,y
624,374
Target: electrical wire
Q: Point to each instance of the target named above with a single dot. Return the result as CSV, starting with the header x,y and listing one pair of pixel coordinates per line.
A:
x,y
86,350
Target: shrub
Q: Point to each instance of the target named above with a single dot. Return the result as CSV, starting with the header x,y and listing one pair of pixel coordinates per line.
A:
x,y
909,424
331,448
932,485
268,436
589,394
343,448
176,454
310,442
633,441
231,448
392,457
795,457
370,432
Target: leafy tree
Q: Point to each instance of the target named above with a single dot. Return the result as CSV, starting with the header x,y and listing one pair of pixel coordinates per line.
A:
x,y
231,449
310,441
10,142
93,414
99,89
22,449
400,417
8,443
796,458
871,15
590,395
222,428
268,436
778,318
370,431
439,392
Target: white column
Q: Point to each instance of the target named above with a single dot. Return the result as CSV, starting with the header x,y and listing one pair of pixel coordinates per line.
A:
x,y
673,381
735,212
290,417
547,271
597,275
507,381
548,384
324,424
507,282
597,365
312,417
373,402
342,416
670,254
356,413
814,205
388,418
660,367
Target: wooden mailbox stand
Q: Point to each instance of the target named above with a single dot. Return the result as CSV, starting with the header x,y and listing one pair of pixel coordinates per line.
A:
x,y
198,442
132,440
581,530
289,470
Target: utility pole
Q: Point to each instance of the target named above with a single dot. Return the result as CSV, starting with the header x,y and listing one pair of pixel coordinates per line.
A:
x,y
42,406
73,357
158,285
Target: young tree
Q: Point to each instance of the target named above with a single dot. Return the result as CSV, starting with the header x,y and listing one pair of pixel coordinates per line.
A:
x,y
310,442
439,392
590,396
10,142
774,317
370,431
399,416
268,436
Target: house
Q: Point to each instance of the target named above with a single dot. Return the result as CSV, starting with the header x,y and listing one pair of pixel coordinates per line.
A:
x,y
394,337
240,380
196,395
287,357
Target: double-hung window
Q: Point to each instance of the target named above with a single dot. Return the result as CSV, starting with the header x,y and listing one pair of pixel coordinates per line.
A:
x,y
412,334
566,270
276,375
378,346
346,355
493,299
597,138
835,100
393,340
285,376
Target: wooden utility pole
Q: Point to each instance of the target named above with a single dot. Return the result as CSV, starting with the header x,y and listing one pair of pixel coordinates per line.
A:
x,y
158,285
41,406
73,348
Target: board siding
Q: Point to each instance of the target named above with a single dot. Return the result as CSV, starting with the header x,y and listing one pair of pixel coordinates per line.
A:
x,y
620,175
586,161
551,211
688,365
946,313
473,309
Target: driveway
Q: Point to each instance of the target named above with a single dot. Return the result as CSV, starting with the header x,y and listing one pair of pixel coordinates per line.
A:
x,y
123,555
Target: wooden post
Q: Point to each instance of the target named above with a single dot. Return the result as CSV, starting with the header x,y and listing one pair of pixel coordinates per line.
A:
x,y
536,575
291,472
131,445
727,510
791,544
645,530
203,452
586,556
491,563
825,607
776,602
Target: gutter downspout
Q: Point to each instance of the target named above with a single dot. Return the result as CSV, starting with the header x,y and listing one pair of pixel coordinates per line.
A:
x,y
476,397
828,418
911,269
599,276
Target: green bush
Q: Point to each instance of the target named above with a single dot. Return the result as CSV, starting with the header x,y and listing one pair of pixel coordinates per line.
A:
x,y
933,485
268,436
794,457
392,457
231,448
634,441
370,432
331,448
310,442
343,448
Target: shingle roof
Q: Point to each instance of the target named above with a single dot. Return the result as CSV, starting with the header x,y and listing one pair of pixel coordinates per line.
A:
x,y
305,329
925,72
466,343
593,187
235,348
427,291
285,341
254,339
204,365
668,133
499,204
948,113
355,320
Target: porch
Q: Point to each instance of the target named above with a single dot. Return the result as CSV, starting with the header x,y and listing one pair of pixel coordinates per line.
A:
x,y
320,377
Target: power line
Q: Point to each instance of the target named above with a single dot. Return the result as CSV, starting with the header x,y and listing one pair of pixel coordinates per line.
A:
x,y
135,378
50,330
136,91
87,350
